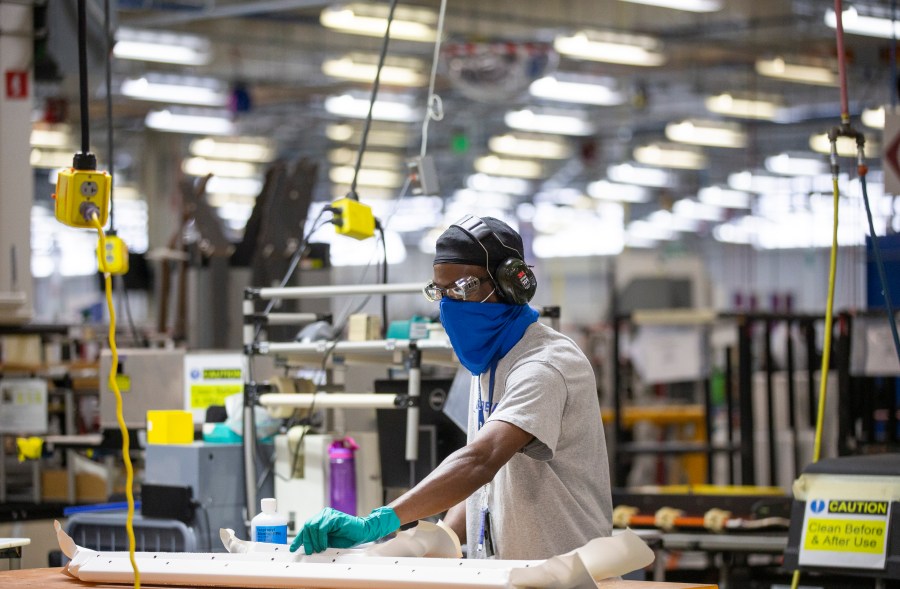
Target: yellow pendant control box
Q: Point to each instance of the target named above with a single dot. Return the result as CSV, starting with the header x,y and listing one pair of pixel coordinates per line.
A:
x,y
353,218
115,259
78,192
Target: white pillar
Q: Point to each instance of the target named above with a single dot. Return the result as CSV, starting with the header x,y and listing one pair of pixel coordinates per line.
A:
x,y
17,187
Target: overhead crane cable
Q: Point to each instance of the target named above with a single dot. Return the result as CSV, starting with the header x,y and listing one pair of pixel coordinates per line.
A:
x,y
434,107
365,132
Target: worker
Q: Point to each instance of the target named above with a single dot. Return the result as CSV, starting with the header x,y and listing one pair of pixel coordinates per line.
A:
x,y
533,480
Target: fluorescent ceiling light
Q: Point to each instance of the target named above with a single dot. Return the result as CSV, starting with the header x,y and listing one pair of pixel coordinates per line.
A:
x,y
796,165
709,133
606,190
161,47
870,25
700,211
199,166
371,193
358,67
805,73
345,156
197,124
760,183
487,183
497,166
609,47
409,24
686,5
243,187
577,89
383,110
641,175
724,197
530,146
666,220
42,157
224,199
846,146
548,122
745,106
871,117
178,89
669,155
56,136
367,177
384,137
645,230
248,149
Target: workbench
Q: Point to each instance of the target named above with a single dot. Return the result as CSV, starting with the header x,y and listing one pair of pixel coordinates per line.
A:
x,y
53,578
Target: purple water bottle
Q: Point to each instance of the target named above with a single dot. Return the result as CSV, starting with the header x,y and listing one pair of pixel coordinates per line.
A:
x,y
342,482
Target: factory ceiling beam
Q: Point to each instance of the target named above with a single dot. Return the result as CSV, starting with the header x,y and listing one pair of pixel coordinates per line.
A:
x,y
240,9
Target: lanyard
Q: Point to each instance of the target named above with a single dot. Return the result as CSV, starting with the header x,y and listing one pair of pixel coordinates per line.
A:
x,y
482,408
485,545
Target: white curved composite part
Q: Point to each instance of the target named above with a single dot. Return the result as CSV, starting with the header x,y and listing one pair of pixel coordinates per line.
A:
x,y
275,567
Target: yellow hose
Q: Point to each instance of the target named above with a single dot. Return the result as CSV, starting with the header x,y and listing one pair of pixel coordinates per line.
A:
x,y
826,346
126,457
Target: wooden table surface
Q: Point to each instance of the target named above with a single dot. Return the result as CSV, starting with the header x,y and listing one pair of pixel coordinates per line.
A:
x,y
53,578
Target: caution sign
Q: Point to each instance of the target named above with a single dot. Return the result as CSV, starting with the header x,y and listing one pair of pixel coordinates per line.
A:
x,y
845,533
209,379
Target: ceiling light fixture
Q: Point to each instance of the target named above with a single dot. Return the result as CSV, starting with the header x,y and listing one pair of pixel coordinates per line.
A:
x,y
645,230
871,24
871,117
686,5
42,157
347,105
197,124
846,146
724,197
700,211
397,71
548,122
367,177
606,190
486,183
497,166
248,149
178,89
610,47
805,73
530,146
668,155
745,106
577,89
200,166
640,175
345,156
249,188
161,47
709,133
384,137
788,164
51,135
409,24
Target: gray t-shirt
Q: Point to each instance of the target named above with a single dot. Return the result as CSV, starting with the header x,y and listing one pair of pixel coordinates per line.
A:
x,y
554,495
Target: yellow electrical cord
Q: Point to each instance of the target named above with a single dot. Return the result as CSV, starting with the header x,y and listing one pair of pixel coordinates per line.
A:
x,y
826,346
126,457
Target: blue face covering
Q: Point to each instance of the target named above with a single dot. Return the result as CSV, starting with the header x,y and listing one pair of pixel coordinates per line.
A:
x,y
482,333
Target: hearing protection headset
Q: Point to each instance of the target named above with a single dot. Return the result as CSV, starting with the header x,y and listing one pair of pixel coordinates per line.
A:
x,y
513,278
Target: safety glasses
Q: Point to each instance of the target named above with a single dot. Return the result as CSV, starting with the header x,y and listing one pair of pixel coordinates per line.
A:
x,y
460,290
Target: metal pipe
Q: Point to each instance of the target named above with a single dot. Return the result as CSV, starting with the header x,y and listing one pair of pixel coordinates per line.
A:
x,y
374,346
770,406
792,401
227,11
314,292
246,440
292,318
324,400
745,399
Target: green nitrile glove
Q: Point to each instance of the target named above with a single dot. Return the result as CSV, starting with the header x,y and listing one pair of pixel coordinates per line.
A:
x,y
335,529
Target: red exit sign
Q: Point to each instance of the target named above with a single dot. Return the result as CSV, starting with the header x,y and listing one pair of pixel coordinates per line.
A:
x,y
16,84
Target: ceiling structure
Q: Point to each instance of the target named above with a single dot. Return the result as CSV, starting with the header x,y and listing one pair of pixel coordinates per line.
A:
x,y
278,51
